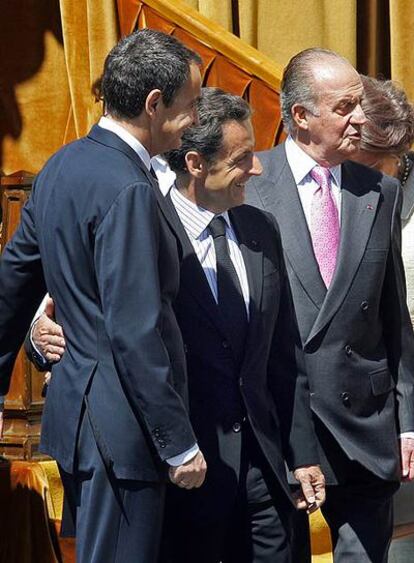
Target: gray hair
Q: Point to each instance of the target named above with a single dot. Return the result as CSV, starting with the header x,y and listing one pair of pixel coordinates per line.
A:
x,y
298,82
390,117
215,108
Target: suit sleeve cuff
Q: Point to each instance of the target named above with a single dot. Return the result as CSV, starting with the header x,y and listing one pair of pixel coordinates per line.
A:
x,y
184,457
39,356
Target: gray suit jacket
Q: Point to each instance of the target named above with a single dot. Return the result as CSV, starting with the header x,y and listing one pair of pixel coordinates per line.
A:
x,y
357,335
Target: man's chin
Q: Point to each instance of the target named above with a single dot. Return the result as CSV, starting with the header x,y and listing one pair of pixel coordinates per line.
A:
x,y
352,146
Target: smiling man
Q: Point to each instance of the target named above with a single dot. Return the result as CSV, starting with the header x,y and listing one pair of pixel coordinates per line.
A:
x,y
340,229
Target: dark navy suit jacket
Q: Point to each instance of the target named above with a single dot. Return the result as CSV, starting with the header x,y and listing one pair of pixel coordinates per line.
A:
x,y
95,233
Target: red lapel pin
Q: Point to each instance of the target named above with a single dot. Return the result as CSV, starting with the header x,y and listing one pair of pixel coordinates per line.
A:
x,y
369,206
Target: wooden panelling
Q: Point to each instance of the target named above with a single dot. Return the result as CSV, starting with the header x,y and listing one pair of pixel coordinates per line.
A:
x,y
24,402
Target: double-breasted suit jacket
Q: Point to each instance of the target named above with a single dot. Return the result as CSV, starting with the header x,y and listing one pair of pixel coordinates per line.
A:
x,y
102,246
357,337
227,392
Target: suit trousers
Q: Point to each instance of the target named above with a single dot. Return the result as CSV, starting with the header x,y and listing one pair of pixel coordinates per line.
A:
x,y
358,509
116,520
249,524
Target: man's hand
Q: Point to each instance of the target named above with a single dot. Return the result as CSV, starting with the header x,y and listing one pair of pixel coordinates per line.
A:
x,y
48,336
312,493
407,458
191,474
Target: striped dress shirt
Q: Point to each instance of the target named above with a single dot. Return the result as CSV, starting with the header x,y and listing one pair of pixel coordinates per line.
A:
x,y
195,221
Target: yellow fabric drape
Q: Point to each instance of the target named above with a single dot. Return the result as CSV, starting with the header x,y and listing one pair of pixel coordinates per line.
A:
x,y
402,39
46,75
220,12
89,32
284,28
280,29
33,84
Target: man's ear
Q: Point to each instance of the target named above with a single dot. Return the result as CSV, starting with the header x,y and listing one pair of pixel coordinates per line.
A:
x,y
300,116
196,165
152,101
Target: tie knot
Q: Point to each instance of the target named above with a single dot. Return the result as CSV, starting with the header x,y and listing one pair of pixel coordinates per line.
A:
x,y
321,176
217,227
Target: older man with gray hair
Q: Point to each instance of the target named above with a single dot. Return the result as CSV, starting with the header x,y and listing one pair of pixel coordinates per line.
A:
x,y
340,228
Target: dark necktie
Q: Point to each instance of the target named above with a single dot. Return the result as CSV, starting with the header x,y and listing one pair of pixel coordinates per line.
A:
x,y
230,296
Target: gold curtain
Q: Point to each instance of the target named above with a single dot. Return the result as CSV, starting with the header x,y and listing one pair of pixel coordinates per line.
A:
x,y
402,40
280,29
89,32
220,12
46,73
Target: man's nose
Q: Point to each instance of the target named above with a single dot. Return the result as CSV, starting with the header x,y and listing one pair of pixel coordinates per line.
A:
x,y
256,168
358,116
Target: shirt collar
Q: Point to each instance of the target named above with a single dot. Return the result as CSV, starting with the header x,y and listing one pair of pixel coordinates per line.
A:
x,y
194,218
301,163
115,127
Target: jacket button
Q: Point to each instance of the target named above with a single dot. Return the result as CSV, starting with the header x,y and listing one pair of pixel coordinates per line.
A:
x,y
241,382
236,427
225,344
348,350
162,443
364,305
346,398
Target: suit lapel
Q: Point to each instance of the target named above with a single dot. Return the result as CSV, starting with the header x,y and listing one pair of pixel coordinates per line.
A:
x,y
280,196
358,212
408,200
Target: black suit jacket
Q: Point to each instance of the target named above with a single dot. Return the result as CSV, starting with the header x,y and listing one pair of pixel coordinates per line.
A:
x,y
357,335
269,389
96,234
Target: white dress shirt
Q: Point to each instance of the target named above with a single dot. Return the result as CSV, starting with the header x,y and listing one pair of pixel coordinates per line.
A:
x,y
195,220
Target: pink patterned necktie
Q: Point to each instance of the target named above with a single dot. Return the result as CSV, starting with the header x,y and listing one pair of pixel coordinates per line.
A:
x,y
324,224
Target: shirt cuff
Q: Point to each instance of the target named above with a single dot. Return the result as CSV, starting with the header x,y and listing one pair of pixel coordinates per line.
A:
x,y
184,457
39,357
407,435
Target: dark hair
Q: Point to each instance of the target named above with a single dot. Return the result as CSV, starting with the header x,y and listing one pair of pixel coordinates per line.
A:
x,y
215,108
297,85
141,62
390,117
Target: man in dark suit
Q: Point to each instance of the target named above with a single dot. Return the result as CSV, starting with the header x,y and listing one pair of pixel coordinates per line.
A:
x,y
238,351
96,234
340,229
